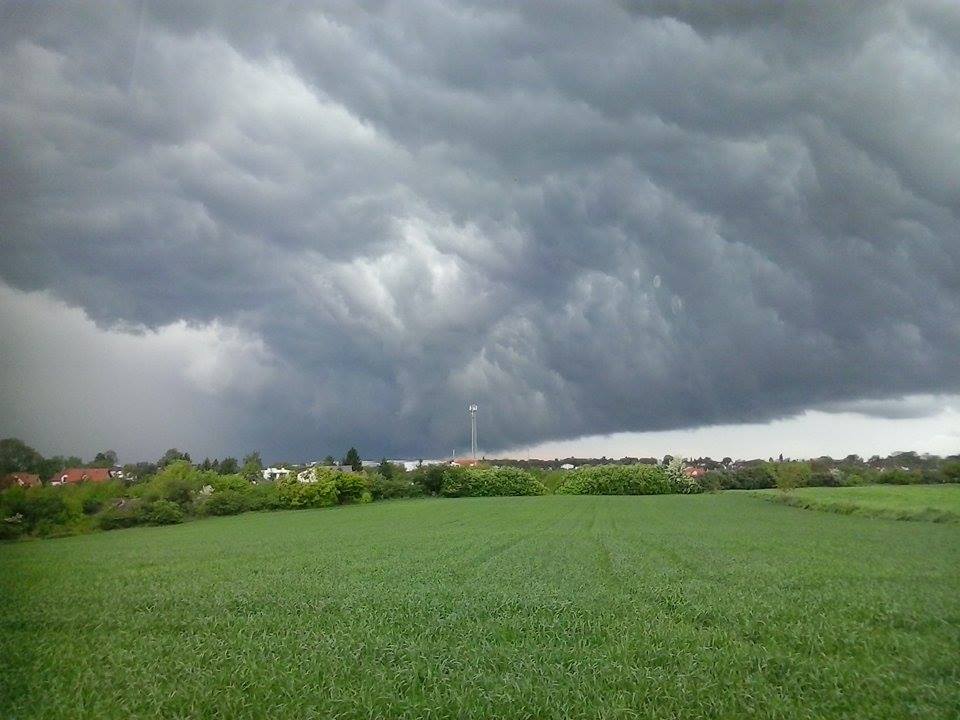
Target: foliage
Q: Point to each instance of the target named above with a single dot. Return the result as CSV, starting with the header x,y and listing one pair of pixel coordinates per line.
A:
x,y
618,480
17,456
351,486
39,509
123,514
173,455
352,458
683,482
104,459
178,482
487,482
431,477
162,512
382,488
252,467
790,475
388,470
751,477
237,483
223,502
322,492
228,466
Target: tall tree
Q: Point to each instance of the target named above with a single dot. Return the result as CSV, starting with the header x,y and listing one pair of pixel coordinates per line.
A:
x,y
172,455
253,467
385,469
105,459
352,459
17,456
228,466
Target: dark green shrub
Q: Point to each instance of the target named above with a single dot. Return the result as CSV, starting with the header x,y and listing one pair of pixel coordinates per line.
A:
x,y
40,509
89,498
12,527
162,512
263,496
898,476
322,493
237,483
618,480
951,471
123,514
431,478
487,482
754,477
383,489
223,502
351,486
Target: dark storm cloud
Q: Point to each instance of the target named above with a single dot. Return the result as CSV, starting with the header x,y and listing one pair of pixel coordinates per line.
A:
x,y
587,218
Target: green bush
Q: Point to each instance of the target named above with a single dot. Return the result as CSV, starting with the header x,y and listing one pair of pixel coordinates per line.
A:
x,y
351,486
897,476
292,493
487,482
391,489
236,483
951,472
162,512
431,477
38,510
263,496
618,480
123,514
223,502
754,477
178,482
790,475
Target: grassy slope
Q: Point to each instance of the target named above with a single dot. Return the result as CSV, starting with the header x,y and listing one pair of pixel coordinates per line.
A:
x,y
706,606
940,503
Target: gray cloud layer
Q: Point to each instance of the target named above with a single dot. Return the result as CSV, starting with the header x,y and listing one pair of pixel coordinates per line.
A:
x,y
588,218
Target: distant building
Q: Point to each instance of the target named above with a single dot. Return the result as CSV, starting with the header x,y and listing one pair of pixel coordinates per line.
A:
x,y
568,466
272,474
71,476
19,479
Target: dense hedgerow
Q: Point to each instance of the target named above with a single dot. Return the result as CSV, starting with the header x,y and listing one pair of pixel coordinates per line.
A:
x,y
620,480
382,488
328,487
487,482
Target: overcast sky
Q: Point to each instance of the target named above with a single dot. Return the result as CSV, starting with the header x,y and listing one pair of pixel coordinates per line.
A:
x,y
227,226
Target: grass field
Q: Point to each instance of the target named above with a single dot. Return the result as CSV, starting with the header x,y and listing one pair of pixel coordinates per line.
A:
x,y
937,503
551,607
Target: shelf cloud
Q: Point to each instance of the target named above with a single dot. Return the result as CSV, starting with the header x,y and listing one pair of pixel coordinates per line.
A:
x,y
587,219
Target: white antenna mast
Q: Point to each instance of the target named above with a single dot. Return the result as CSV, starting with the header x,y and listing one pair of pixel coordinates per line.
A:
x,y
473,431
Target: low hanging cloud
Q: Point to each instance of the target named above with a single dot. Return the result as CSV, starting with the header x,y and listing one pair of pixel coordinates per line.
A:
x,y
621,217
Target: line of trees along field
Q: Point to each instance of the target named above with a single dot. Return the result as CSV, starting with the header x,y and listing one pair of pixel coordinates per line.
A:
x,y
175,489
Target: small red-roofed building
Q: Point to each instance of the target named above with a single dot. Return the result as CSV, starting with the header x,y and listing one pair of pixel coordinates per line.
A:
x,y
71,476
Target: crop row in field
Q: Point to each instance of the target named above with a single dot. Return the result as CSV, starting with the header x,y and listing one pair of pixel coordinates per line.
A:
x,y
542,607
933,503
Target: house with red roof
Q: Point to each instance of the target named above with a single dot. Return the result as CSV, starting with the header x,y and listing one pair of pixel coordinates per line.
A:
x,y
19,479
70,476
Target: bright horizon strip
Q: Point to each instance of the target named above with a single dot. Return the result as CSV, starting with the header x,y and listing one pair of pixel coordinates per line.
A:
x,y
811,434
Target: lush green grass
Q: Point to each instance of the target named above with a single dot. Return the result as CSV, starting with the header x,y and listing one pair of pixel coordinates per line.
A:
x,y
544,607
937,503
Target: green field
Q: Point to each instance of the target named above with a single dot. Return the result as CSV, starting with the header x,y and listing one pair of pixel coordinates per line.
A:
x,y
548,607
938,503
